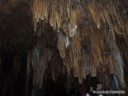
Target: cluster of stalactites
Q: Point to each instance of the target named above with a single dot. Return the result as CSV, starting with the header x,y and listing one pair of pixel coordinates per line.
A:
x,y
57,13
87,41
67,13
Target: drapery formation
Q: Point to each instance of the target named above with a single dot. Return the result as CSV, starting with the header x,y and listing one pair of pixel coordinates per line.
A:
x,y
87,31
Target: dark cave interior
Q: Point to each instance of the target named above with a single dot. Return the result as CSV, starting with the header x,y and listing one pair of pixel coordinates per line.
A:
x,y
16,39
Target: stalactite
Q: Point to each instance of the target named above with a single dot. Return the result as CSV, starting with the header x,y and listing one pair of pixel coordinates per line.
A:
x,y
28,63
116,82
66,41
61,44
39,65
119,65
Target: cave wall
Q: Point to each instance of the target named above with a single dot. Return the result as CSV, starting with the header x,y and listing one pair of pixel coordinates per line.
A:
x,y
16,31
